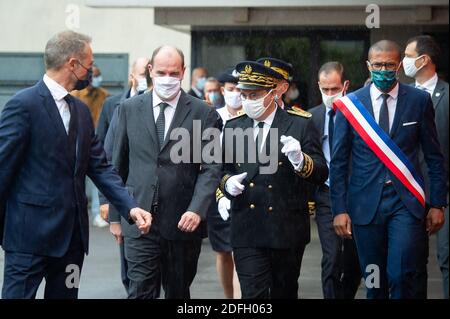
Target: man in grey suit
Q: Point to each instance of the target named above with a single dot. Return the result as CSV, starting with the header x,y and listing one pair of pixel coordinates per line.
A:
x,y
177,194
421,57
341,273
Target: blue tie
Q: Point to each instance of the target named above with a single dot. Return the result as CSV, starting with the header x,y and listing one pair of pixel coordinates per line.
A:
x,y
384,114
331,114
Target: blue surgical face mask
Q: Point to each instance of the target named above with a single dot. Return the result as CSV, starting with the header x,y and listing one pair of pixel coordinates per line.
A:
x,y
201,83
215,99
384,79
96,81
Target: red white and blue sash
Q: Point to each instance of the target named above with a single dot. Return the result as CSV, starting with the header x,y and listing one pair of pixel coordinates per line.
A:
x,y
381,144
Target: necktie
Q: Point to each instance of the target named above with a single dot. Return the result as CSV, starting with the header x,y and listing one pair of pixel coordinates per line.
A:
x,y
160,127
73,127
161,124
384,114
330,128
259,140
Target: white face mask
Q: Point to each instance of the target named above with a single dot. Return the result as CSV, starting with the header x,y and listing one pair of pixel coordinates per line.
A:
x,y
166,87
409,66
254,108
329,99
233,99
142,84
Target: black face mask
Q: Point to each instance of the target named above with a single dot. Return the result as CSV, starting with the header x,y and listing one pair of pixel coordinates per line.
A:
x,y
81,84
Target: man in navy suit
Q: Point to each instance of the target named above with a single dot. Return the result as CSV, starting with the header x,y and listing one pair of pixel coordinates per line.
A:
x,y
386,219
47,147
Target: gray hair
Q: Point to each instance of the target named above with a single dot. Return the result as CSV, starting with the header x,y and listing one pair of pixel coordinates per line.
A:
x,y
62,47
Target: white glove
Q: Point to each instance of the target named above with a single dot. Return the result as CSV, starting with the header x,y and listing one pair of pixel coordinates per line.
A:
x,y
293,151
223,206
233,185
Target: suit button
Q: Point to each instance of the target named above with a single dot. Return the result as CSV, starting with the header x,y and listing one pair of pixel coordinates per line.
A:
x,y
252,206
252,184
270,187
270,208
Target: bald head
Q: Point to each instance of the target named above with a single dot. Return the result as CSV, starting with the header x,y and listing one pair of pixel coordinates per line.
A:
x,y
168,52
167,61
385,46
139,64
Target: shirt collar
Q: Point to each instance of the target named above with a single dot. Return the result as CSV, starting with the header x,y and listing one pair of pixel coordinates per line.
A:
x,y
375,92
268,120
56,90
157,100
429,84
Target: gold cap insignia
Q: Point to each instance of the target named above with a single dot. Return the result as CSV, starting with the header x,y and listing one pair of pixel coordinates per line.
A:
x,y
267,63
248,69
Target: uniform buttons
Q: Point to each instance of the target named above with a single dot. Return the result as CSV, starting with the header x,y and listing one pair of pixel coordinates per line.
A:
x,y
252,184
270,208
252,206
269,187
238,164
280,163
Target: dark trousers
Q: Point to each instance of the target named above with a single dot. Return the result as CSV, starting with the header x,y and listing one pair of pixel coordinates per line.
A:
x,y
442,252
24,273
341,275
268,273
392,243
123,268
153,260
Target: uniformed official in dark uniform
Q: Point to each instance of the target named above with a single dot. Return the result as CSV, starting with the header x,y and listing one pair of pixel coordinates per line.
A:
x,y
269,226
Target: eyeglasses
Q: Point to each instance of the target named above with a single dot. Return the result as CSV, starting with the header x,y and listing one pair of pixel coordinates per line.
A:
x,y
379,65
79,62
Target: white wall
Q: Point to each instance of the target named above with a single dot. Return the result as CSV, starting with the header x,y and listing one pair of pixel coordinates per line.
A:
x,y
25,26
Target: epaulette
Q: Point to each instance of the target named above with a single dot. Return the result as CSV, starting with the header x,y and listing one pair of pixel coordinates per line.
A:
x,y
299,112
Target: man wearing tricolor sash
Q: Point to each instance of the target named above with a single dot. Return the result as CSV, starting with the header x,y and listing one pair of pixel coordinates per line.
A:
x,y
376,185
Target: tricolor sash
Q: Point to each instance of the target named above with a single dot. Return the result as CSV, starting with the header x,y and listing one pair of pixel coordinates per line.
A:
x,y
381,144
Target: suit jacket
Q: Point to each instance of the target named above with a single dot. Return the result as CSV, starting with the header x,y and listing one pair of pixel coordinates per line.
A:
x,y
182,187
318,119
193,93
43,195
107,113
361,195
441,106
272,212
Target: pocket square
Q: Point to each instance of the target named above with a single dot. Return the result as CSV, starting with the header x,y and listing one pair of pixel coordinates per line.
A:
x,y
409,123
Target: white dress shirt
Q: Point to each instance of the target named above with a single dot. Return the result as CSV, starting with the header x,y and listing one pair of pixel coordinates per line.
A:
x,y
58,93
429,85
377,100
267,124
168,112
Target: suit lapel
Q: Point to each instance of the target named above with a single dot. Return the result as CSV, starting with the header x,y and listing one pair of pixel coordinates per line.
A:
x,y
399,110
52,109
55,118
181,112
366,100
146,111
438,93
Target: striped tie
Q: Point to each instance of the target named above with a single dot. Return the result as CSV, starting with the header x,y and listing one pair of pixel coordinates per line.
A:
x,y
161,124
